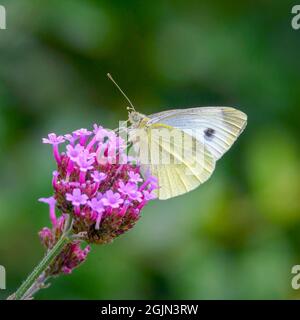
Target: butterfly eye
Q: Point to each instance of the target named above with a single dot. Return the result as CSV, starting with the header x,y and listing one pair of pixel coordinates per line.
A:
x,y
209,132
136,117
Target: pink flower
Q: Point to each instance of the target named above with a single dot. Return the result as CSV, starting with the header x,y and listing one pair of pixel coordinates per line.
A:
x,y
149,195
131,190
98,176
126,188
96,205
134,177
53,139
151,183
85,163
136,196
103,199
93,192
74,152
99,132
71,138
77,198
112,200
51,202
82,132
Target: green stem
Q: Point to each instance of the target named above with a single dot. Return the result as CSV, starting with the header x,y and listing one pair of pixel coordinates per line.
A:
x,y
42,266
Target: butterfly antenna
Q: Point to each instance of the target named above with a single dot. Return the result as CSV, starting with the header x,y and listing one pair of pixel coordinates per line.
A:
x,y
122,92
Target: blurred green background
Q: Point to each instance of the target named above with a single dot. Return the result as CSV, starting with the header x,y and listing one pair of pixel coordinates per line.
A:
x,y
237,236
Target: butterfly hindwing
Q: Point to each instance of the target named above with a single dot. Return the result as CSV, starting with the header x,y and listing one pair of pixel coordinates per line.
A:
x,y
183,163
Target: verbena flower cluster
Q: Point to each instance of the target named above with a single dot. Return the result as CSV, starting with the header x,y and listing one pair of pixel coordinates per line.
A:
x,y
98,186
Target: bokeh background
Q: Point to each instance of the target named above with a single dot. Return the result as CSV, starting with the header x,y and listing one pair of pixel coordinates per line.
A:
x,y
238,235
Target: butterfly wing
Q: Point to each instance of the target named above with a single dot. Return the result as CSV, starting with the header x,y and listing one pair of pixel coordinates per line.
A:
x,y
178,160
215,127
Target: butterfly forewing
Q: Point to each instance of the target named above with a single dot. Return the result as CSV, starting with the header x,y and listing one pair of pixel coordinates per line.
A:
x,y
216,127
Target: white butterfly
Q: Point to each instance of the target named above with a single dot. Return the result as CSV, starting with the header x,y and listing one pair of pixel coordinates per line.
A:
x,y
212,129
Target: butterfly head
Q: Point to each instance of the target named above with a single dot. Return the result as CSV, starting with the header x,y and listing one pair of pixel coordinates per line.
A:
x,y
135,117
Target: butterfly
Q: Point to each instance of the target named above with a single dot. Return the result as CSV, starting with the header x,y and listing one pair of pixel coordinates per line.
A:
x,y
199,138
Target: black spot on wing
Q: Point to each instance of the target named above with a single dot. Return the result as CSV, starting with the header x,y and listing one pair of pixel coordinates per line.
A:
x,y
209,133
